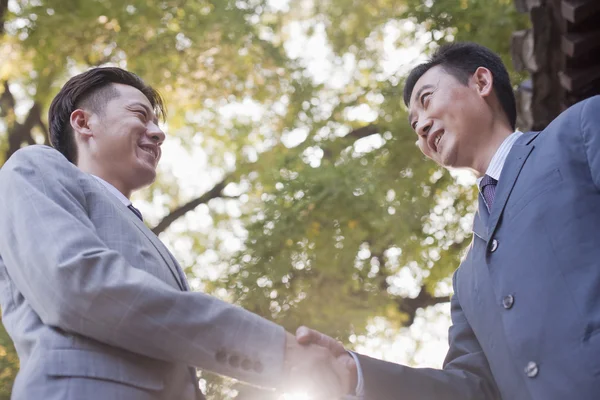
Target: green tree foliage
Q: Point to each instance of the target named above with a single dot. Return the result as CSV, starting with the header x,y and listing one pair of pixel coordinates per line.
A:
x,y
9,364
321,228
326,242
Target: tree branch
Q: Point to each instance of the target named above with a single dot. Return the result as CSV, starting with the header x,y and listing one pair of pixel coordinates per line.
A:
x,y
7,101
363,132
18,133
333,150
21,133
406,305
3,9
215,192
424,299
40,123
45,131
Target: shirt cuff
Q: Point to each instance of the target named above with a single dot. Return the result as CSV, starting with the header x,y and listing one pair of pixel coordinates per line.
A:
x,y
360,390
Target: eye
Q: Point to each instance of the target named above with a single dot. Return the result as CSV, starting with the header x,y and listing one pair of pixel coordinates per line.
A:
x,y
141,113
424,98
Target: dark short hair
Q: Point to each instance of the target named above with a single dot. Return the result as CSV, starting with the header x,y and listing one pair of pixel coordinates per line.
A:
x,y
92,90
461,60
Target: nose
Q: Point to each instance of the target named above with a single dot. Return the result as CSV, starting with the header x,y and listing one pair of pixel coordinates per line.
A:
x,y
155,133
424,127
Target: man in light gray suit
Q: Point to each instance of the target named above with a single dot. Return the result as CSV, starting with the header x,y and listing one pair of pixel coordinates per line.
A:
x,y
96,305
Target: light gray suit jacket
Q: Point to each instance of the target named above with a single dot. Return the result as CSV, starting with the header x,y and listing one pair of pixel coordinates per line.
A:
x,y
95,303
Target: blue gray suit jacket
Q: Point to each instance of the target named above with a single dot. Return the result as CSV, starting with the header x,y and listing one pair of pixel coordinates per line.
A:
x,y
526,307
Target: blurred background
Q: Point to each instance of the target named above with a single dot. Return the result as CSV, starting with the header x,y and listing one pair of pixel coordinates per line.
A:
x,y
290,182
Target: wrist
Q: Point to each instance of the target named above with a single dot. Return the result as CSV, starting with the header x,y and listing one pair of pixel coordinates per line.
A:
x,y
290,355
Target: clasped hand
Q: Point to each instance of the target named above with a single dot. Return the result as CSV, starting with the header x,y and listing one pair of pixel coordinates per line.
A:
x,y
318,365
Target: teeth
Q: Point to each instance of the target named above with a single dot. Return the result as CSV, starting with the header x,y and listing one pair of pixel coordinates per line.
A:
x,y
437,140
150,151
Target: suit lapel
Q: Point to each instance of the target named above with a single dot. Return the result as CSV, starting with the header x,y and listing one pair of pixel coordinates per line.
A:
x,y
510,172
162,250
177,266
480,222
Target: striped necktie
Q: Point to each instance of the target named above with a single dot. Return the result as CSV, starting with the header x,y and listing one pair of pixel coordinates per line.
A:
x,y
488,190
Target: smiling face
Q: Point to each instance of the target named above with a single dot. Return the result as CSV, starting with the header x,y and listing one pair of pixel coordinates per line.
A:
x,y
120,143
451,118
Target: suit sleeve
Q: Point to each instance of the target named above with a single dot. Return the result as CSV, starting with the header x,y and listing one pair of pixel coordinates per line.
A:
x,y
590,130
74,282
465,376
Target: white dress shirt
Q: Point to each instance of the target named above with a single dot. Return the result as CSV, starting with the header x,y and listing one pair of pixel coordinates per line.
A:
x,y
494,170
114,191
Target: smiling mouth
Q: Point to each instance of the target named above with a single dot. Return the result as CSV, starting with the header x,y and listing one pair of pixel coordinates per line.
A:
x,y
150,150
436,140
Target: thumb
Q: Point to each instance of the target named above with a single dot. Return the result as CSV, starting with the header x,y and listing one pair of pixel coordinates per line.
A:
x,y
306,336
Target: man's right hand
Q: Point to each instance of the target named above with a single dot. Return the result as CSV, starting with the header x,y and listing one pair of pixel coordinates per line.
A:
x,y
345,365
316,370
306,336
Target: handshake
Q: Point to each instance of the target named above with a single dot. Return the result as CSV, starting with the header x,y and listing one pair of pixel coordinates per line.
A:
x,y
319,365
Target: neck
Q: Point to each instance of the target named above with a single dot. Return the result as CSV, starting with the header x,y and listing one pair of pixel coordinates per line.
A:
x,y
493,140
92,168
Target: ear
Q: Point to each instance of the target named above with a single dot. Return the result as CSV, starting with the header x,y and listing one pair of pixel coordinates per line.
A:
x,y
484,81
80,120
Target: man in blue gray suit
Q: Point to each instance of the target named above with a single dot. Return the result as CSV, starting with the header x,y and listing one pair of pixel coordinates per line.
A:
x,y
96,305
526,304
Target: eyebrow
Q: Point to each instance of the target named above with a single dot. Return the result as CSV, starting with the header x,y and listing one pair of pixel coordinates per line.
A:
x,y
421,90
148,110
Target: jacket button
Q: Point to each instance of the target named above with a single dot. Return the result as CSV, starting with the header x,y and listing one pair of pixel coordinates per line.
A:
x,y
531,370
246,364
257,367
494,245
508,301
221,356
234,361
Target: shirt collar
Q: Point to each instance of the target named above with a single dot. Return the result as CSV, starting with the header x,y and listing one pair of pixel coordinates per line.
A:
x,y
497,163
114,191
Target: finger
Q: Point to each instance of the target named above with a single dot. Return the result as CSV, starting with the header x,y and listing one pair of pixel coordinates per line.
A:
x,y
335,347
306,336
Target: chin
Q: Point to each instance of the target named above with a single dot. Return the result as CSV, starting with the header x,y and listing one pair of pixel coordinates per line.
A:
x,y
449,164
150,177
448,159
144,177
